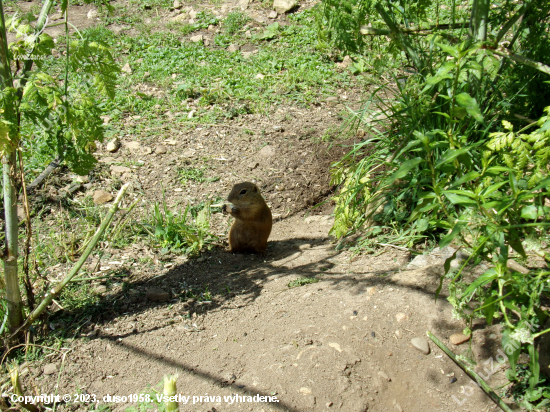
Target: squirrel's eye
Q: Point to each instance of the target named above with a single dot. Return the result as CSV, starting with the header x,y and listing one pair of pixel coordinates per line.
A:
x,y
243,191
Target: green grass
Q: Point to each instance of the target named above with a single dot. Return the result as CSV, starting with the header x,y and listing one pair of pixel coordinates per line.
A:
x,y
179,232
301,282
234,22
217,84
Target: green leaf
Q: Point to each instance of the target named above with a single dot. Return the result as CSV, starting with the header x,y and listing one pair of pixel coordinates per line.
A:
x,y
449,238
81,163
453,51
450,155
534,366
459,200
443,114
544,127
532,212
466,178
470,104
492,188
542,185
512,348
514,241
468,193
498,170
489,308
483,279
404,169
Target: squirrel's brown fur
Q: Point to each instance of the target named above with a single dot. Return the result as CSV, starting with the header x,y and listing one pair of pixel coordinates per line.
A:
x,y
253,219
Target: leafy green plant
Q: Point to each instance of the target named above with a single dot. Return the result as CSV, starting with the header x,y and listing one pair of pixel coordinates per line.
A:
x,y
186,232
447,164
301,282
234,22
191,174
65,118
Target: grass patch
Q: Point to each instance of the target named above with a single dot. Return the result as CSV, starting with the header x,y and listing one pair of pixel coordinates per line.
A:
x,y
178,232
301,282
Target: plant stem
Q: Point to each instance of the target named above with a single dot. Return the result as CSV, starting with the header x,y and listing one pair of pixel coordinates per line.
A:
x,y
480,382
75,269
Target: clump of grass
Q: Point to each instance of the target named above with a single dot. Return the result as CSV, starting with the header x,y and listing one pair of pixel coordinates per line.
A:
x,y
187,174
186,232
234,22
301,282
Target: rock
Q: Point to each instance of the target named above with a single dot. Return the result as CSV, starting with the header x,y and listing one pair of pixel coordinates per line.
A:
x,y
50,369
196,39
421,344
92,14
146,150
191,114
259,76
400,317
384,376
248,47
101,289
345,63
273,14
101,197
119,170
192,14
244,4
177,4
233,48
133,145
398,334
126,68
161,149
267,151
459,338
335,346
179,17
113,145
253,165
157,295
305,391
146,75
126,177
437,257
282,6
106,119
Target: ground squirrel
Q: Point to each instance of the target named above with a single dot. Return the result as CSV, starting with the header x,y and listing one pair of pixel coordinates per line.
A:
x,y
253,219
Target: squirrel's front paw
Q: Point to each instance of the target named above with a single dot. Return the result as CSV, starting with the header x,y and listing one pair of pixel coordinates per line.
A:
x,y
227,208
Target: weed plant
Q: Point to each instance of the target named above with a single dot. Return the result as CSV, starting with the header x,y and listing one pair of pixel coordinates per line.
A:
x,y
451,158
177,232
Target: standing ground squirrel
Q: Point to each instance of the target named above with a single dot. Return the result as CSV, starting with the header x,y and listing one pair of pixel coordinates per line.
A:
x,y
253,219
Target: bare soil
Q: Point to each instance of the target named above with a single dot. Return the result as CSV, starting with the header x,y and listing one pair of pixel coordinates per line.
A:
x,y
342,343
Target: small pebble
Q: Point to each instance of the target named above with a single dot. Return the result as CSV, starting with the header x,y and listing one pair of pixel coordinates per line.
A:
x,y
373,334
459,338
355,313
453,380
421,344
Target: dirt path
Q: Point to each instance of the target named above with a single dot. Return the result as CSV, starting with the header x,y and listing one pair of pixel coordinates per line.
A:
x,y
340,344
